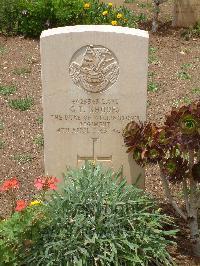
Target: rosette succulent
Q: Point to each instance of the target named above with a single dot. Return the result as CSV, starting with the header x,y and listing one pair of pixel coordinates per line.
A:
x,y
175,147
170,144
175,169
183,125
139,138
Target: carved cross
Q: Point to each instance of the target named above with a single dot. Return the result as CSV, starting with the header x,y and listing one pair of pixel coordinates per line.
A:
x,y
94,157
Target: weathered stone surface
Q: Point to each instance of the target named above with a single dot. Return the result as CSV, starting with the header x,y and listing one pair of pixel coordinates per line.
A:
x,y
94,82
186,13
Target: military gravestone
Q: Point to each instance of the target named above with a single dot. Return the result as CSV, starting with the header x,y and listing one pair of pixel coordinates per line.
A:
x,y
94,81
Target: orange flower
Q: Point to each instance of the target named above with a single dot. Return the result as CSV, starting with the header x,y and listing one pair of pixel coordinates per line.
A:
x,y
20,205
46,182
11,183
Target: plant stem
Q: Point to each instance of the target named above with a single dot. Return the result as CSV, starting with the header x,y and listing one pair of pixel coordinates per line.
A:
x,y
169,195
194,230
185,193
193,213
155,17
156,12
13,200
198,156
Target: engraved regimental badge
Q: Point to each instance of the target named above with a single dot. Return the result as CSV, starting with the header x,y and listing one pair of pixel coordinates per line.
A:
x,y
94,68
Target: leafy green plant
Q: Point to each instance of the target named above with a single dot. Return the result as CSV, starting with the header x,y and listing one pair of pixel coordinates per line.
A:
x,y
152,55
196,90
99,220
19,231
40,120
151,74
2,49
178,102
184,75
96,12
21,71
68,12
129,1
21,104
39,141
1,125
7,90
2,144
145,5
23,158
153,87
35,16
175,147
186,66
9,13
16,233
29,18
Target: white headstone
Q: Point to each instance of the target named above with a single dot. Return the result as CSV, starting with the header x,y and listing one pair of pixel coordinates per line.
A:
x,y
94,81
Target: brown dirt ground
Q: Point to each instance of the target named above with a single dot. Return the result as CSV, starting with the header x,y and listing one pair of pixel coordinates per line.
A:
x,y
20,67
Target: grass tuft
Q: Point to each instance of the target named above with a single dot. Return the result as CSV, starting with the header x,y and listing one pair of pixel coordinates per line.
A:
x,y
21,71
1,125
7,90
39,120
153,87
39,141
23,158
2,144
21,104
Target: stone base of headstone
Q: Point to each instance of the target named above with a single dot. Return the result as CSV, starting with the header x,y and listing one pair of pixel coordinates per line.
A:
x,y
186,13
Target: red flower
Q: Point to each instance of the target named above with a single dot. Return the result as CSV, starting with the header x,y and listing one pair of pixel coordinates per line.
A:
x,y
52,182
46,182
20,205
39,183
11,183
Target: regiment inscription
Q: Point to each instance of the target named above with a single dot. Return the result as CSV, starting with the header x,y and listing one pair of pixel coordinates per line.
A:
x,y
87,116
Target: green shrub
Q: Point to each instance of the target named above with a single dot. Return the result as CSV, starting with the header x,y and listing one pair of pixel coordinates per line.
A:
x,y
35,15
30,17
18,232
68,12
98,220
9,13
102,13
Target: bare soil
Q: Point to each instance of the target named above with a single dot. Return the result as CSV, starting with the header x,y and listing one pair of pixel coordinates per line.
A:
x,y
21,152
